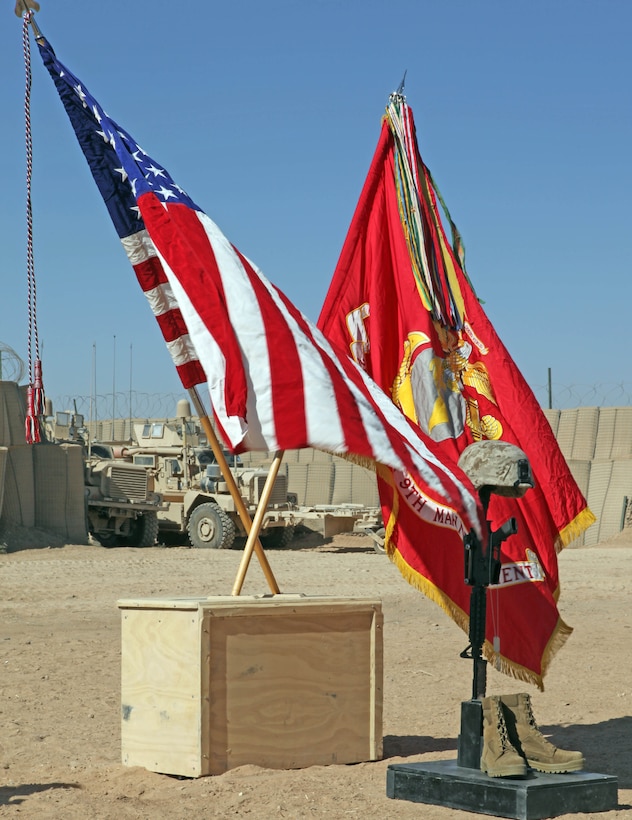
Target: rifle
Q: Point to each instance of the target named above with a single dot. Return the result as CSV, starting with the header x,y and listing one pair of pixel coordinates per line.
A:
x,y
501,468
482,568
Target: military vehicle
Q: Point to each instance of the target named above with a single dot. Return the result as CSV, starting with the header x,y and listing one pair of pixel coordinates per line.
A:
x,y
196,497
121,505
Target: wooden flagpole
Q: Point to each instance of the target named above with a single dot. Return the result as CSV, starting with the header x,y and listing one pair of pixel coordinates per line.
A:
x,y
253,536
26,7
253,533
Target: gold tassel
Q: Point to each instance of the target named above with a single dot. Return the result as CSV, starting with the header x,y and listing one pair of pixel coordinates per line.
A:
x,y
557,640
574,529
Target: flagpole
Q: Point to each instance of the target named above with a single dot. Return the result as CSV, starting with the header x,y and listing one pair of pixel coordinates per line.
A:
x,y
253,533
253,536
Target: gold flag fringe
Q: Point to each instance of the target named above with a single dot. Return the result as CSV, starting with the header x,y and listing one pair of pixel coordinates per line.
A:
x,y
560,635
354,458
427,587
575,528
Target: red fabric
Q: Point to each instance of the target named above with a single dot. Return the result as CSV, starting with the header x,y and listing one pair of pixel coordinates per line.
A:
x,y
274,380
372,309
151,277
300,392
185,245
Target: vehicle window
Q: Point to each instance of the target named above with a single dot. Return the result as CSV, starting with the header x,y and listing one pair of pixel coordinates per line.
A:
x,y
145,460
174,466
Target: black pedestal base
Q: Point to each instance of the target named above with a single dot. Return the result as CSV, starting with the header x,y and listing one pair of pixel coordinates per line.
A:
x,y
445,783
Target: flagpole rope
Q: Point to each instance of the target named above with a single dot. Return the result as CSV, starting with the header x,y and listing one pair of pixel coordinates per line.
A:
x,y
30,263
35,394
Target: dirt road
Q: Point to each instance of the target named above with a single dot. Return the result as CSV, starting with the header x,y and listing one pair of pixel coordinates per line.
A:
x,y
60,681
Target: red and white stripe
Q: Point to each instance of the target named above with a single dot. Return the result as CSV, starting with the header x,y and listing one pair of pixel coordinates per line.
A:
x,y
275,381
141,252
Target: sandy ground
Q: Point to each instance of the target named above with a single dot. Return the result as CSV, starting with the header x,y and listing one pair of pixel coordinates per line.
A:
x,y
60,748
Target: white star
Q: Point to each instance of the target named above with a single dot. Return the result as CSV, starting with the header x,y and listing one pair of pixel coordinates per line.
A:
x,y
133,184
122,172
136,210
108,136
165,192
81,94
96,114
157,172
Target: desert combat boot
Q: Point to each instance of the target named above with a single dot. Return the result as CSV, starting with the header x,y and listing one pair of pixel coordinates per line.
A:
x,y
524,734
499,758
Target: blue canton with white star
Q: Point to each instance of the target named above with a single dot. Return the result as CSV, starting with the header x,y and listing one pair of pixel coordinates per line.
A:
x,y
120,167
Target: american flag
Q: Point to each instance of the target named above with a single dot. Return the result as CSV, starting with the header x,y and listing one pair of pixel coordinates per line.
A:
x,y
275,382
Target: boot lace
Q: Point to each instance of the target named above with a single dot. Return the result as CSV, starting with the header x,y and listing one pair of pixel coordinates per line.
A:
x,y
502,728
536,729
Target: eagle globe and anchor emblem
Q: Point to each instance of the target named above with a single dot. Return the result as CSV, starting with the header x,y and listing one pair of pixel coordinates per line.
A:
x,y
440,393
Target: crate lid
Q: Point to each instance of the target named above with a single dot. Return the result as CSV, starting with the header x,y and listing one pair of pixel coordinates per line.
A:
x,y
237,603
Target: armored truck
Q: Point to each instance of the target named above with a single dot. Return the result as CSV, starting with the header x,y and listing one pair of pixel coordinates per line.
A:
x,y
121,505
122,509
196,497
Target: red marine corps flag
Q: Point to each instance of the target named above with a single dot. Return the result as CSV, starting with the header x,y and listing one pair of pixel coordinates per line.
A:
x,y
275,382
401,304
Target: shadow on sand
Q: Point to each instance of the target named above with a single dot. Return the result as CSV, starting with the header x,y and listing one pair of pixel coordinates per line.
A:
x,y
411,745
605,746
12,795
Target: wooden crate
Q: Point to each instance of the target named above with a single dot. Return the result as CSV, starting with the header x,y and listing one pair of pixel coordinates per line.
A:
x,y
281,681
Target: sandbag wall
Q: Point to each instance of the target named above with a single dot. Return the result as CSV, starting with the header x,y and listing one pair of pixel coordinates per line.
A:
x,y
597,444
41,485
320,478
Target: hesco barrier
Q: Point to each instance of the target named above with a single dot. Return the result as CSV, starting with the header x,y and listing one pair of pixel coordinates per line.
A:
x,y
321,478
596,442
41,485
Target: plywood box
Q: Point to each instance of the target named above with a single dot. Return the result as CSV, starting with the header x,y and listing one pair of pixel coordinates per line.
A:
x,y
281,681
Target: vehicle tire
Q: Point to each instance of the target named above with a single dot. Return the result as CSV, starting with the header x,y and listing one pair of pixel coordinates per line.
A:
x,y
378,546
209,527
277,538
144,531
239,542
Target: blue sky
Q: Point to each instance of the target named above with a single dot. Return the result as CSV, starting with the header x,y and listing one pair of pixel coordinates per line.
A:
x,y
268,114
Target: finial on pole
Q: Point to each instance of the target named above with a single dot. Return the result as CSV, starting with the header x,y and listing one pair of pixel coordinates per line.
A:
x,y
400,90
27,7
397,97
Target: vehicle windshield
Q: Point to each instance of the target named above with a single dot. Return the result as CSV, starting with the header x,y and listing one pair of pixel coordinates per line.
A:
x,y
205,457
